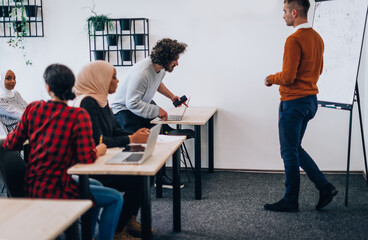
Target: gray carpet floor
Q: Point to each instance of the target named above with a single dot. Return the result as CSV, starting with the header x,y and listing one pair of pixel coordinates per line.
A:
x,y
232,208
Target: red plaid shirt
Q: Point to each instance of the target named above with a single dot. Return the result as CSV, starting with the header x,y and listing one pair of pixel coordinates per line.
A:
x,y
59,137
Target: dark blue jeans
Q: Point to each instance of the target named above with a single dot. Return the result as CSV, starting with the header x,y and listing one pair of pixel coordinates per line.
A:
x,y
294,116
131,122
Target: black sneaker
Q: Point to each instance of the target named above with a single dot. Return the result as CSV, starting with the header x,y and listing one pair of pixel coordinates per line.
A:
x,y
168,183
326,195
282,206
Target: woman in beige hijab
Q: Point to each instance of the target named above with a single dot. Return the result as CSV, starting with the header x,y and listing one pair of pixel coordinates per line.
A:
x,y
94,83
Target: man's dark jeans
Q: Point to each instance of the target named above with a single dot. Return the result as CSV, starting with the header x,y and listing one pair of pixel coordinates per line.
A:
x,y
294,116
131,122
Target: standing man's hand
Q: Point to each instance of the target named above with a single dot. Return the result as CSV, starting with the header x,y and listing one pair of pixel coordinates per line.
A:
x,y
162,114
267,83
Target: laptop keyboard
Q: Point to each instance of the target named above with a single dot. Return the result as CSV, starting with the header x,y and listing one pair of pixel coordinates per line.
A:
x,y
135,157
174,118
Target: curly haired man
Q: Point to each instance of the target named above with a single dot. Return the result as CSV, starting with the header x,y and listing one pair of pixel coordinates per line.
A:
x,y
132,103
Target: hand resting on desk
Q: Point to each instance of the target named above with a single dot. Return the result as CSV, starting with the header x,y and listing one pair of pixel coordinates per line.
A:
x,y
140,136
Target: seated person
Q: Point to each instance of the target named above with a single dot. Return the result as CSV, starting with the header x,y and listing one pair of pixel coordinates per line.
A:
x,y
12,104
132,104
94,83
59,137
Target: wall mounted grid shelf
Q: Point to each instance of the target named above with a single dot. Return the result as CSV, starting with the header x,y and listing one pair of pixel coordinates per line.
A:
x,y
121,41
21,18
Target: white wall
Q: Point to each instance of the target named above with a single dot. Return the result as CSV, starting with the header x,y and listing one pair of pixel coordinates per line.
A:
x,y
233,45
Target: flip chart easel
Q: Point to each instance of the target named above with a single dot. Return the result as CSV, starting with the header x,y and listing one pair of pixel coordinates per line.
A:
x,y
342,26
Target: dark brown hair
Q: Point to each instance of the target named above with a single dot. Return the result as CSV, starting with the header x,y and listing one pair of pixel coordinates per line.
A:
x,y
166,51
60,80
301,5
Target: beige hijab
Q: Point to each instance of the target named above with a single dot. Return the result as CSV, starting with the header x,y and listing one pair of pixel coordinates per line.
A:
x,y
94,81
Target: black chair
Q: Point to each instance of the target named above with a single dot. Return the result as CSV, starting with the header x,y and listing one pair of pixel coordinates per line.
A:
x,y
12,170
183,149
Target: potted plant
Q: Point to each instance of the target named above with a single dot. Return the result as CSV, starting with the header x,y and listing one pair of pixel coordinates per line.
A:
x,y
112,37
139,39
100,54
31,10
5,11
98,22
20,28
125,24
126,55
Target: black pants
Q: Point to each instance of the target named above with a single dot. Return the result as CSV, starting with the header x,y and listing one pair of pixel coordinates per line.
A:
x,y
131,122
130,185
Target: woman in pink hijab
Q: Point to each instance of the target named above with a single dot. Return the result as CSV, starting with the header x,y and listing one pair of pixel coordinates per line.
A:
x,y
94,83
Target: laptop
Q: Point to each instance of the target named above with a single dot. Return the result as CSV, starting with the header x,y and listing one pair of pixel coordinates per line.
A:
x,y
138,157
180,115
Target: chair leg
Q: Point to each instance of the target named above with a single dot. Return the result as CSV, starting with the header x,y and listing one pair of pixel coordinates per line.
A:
x,y
187,156
2,190
184,161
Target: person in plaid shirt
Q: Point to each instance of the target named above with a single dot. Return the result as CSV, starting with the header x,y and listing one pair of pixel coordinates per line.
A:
x,y
59,137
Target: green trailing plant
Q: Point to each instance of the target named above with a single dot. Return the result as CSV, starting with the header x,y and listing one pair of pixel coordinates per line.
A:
x,y
98,21
20,27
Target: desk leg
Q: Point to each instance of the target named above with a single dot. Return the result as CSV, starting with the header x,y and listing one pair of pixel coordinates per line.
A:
x,y
159,184
72,233
86,218
210,146
198,181
146,208
176,191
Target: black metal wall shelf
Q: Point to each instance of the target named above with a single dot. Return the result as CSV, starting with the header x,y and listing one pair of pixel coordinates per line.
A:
x,y
122,42
18,15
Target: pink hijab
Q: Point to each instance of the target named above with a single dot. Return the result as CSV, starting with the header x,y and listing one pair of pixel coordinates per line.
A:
x,y
94,81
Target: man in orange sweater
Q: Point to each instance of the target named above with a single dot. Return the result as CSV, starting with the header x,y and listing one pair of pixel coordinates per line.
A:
x,y
302,65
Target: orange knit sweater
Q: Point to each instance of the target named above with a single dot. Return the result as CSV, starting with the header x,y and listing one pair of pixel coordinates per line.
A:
x,y
302,65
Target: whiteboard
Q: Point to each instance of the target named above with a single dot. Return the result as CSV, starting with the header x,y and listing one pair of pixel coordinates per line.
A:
x,y
341,25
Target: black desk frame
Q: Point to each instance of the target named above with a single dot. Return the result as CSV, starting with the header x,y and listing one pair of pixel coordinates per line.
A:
x,y
198,159
146,215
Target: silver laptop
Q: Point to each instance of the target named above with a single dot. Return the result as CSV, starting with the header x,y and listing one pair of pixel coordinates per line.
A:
x,y
179,116
138,157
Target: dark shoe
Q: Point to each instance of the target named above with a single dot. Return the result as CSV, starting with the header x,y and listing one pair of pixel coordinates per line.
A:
x,y
282,206
135,228
168,183
124,235
326,195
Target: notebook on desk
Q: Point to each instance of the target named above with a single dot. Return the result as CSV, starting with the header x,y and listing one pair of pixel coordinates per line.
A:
x,y
179,116
138,157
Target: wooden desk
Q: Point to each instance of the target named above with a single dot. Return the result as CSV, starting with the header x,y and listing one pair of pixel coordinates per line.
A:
x,y
197,116
162,152
38,218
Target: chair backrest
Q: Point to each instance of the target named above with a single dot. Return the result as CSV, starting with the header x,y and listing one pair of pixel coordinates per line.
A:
x,y
12,170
